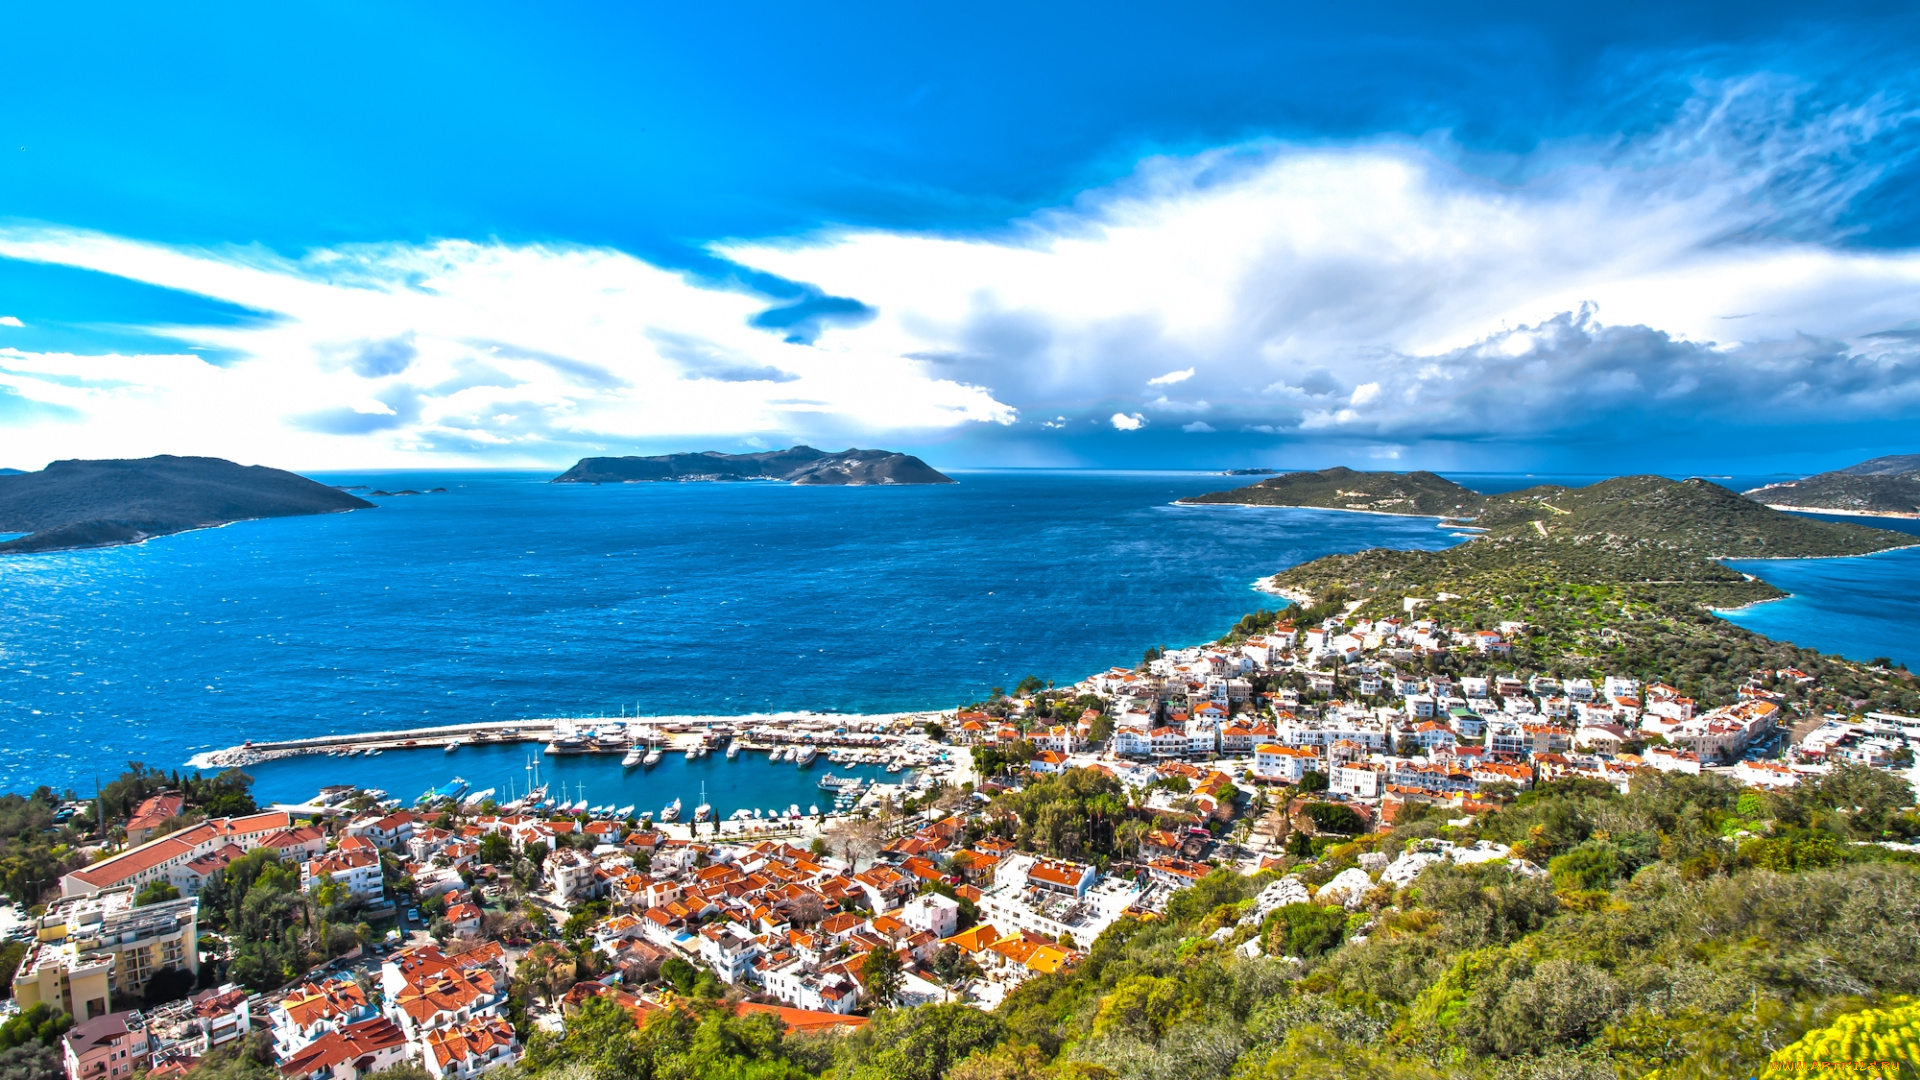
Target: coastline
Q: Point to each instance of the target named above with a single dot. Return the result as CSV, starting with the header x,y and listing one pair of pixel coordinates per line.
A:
x,y
1328,509
1844,513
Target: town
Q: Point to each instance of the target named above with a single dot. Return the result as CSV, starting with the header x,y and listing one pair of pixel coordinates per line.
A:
x,y
358,935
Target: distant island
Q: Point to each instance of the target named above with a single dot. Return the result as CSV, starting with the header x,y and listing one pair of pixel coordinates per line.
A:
x,y
88,504
796,465
1882,487
1415,493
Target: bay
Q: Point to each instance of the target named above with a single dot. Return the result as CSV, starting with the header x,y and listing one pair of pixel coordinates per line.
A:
x,y
508,598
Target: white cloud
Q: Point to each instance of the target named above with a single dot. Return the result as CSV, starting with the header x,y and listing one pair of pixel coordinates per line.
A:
x,y
1377,291
1336,277
10,320
468,351
1198,427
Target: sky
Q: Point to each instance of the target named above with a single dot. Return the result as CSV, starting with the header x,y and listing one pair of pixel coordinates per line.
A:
x,y
1480,237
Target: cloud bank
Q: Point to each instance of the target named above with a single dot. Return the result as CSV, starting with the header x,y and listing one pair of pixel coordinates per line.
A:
x,y
1372,295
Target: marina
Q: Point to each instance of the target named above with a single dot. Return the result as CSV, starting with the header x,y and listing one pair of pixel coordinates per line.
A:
x,y
756,777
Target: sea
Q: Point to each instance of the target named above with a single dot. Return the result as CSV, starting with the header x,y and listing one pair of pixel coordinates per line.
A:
x,y
507,597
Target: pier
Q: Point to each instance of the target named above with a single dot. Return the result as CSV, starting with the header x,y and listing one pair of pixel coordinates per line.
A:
x,y
758,732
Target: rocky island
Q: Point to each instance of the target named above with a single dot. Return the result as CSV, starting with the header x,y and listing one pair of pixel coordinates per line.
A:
x,y
795,465
1340,488
85,504
1882,487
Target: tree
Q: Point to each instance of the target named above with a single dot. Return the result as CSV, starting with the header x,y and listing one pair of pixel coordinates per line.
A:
x,y
935,731
882,976
681,974
548,969
1313,780
154,892
855,839
495,849
919,1044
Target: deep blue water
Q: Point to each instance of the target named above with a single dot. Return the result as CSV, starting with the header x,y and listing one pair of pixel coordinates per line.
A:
x,y
509,597
1863,609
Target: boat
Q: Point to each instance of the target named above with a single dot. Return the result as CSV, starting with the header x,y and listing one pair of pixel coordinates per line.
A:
x,y
894,766
567,744
733,751
813,809
635,756
672,811
793,810
623,813
692,752
757,812
452,746
477,797
703,812
806,757
704,750
652,758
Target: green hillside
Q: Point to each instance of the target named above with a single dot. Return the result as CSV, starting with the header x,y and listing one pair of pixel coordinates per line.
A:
x,y
1414,493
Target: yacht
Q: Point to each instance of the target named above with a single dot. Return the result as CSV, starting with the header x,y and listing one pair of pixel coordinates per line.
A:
x,y
635,756
452,746
672,811
806,756
692,752
733,751
703,812
623,813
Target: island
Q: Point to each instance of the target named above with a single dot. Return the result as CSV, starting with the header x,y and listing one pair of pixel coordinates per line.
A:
x,y
1340,488
1883,487
89,504
795,465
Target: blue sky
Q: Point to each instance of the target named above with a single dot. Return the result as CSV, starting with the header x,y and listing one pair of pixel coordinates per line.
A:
x,y
1401,235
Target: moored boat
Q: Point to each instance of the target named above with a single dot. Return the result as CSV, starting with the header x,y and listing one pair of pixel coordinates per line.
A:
x,y
806,757
672,811
634,756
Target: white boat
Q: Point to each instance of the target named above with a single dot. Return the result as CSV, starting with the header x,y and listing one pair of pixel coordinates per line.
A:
x,y
652,758
635,756
807,754
452,746
733,751
672,811
813,810
623,813
757,812
692,752
793,810
703,812
477,797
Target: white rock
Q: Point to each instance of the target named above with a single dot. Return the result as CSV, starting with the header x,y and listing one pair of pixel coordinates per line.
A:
x,y
1408,866
1347,887
1249,949
1373,860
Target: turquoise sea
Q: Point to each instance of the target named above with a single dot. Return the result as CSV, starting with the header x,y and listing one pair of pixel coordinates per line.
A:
x,y
508,597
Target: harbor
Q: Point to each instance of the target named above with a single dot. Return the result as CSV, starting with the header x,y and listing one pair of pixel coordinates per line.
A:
x,y
740,774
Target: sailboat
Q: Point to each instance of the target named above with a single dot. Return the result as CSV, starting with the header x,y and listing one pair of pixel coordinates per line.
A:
x,y
635,755
704,811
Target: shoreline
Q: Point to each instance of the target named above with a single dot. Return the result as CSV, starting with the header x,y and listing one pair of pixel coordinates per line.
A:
x,y
1844,513
1328,509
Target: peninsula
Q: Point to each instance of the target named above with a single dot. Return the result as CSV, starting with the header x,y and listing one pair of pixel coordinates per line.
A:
x,y
86,504
795,465
1882,487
